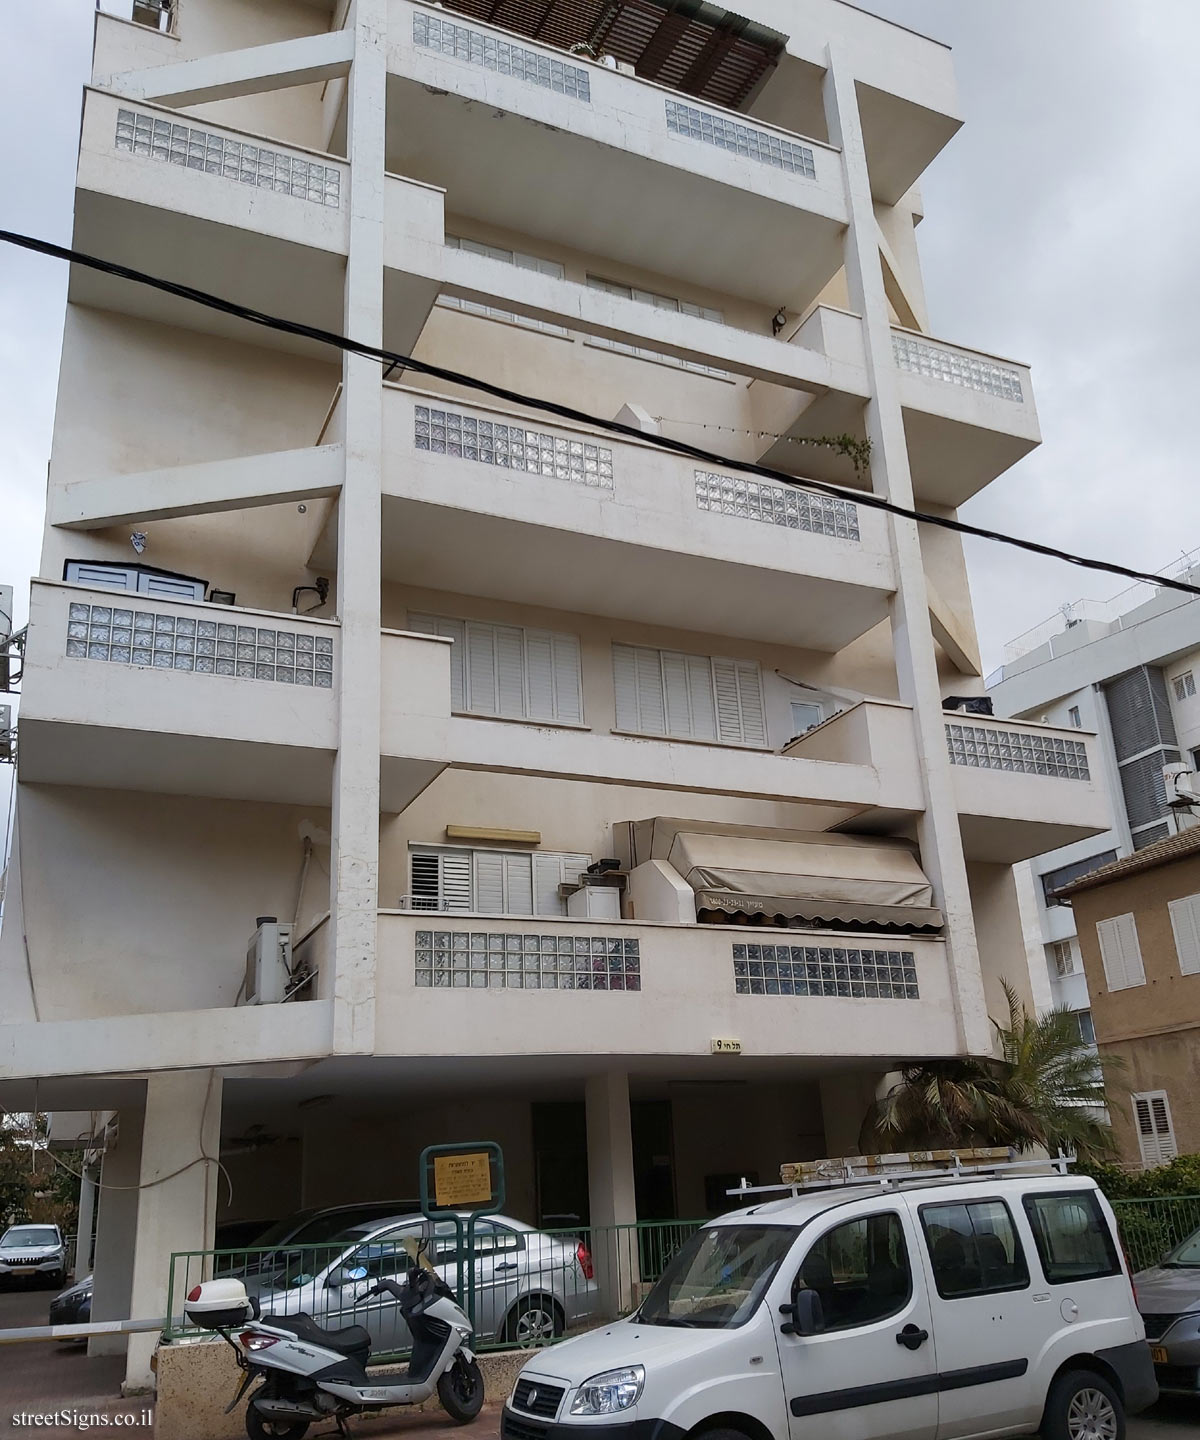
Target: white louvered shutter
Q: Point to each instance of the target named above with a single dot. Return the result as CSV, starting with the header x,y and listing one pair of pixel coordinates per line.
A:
x,y
481,668
551,870
741,718
1156,1134
441,880
1120,952
675,693
489,882
448,629
518,884
168,587
510,671
1185,922
113,577
625,686
638,679
553,677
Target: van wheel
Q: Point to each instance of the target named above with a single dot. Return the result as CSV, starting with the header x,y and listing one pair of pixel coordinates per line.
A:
x,y
534,1320
1083,1406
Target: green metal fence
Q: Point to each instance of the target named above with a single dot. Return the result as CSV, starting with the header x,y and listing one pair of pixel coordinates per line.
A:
x,y
521,1287
1149,1228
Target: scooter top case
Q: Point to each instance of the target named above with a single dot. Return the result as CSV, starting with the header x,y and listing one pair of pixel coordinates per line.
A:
x,y
219,1305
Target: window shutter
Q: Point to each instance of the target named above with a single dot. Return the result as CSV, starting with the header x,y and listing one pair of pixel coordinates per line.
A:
x,y
169,588
518,884
675,694
481,668
1185,922
625,686
553,677
549,872
426,881
1156,1134
568,679
638,678
448,629
510,671
489,882
740,712
1120,952
115,577
441,880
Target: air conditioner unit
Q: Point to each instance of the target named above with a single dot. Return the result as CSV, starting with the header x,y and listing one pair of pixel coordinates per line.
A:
x,y
595,902
268,962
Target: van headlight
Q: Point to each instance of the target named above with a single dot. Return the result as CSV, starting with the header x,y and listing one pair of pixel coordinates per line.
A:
x,y
610,1391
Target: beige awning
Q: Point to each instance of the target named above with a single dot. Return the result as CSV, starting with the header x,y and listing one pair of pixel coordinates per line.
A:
x,y
795,875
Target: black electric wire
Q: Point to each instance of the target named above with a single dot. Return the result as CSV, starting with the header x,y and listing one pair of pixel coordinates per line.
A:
x,y
394,360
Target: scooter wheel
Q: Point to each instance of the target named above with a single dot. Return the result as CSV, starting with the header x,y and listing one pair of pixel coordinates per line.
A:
x,y
460,1389
258,1427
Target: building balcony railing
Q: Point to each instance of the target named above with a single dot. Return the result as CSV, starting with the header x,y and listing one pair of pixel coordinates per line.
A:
x,y
469,490
457,86
235,214
1023,789
122,691
487,985
968,416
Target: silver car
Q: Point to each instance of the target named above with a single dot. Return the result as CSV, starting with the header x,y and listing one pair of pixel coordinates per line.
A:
x,y
1169,1298
33,1251
528,1287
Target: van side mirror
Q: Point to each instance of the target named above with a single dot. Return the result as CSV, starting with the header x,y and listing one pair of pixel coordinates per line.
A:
x,y
808,1316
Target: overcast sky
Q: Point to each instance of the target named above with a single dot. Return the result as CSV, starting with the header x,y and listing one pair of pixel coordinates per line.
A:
x,y
1061,230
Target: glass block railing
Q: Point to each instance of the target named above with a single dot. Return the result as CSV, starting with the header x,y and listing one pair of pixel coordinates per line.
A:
x,y
492,52
746,141
261,166
782,505
512,447
987,747
124,635
957,367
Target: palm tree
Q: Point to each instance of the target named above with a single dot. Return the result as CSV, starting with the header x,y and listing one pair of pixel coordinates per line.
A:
x,y
1042,1089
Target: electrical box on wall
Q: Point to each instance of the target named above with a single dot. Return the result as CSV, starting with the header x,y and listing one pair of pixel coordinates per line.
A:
x,y
268,963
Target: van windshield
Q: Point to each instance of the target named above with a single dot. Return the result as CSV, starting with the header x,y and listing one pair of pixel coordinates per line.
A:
x,y
718,1278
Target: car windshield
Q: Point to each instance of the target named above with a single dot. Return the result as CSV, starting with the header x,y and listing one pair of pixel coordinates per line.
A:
x,y
1187,1255
21,1235
717,1279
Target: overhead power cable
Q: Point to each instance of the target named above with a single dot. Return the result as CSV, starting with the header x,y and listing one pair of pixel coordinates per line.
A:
x,y
395,360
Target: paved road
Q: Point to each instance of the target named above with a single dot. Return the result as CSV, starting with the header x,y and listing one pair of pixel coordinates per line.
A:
x,y
43,1377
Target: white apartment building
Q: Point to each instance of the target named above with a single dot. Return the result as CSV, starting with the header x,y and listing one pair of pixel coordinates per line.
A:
x,y
1126,669
396,663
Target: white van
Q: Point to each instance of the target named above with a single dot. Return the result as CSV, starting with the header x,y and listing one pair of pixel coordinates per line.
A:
x,y
932,1310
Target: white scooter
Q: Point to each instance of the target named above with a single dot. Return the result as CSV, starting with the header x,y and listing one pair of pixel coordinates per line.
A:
x,y
313,1374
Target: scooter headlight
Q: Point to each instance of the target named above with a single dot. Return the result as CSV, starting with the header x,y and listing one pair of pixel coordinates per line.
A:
x,y
610,1391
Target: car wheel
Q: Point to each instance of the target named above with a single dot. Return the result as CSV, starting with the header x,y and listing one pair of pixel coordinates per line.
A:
x,y
534,1320
1083,1406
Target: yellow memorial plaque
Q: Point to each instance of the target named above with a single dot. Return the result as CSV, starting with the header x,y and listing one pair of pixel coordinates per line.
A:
x,y
460,1181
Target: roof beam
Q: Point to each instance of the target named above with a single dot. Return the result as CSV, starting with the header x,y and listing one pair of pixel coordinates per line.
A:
x,y
303,61
246,483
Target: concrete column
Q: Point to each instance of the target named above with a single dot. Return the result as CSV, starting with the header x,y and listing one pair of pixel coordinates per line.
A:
x,y
611,1196
116,1228
912,638
354,868
87,1211
177,1201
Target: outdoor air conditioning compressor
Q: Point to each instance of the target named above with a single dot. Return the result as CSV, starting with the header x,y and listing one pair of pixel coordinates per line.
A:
x,y
268,962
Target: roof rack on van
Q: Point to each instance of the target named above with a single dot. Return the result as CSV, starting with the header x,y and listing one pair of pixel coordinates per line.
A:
x,y
913,1167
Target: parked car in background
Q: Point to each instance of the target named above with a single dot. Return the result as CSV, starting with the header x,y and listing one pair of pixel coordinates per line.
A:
x,y
73,1306
275,1245
527,1287
33,1252
240,1234
1169,1298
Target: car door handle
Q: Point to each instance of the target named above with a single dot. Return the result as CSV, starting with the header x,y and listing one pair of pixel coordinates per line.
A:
x,y
911,1337
507,1265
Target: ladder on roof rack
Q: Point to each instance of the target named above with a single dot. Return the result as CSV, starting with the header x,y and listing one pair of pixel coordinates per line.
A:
x,y
909,1167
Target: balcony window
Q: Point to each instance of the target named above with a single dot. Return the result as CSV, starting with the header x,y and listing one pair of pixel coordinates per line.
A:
x,y
1087,1031
1062,959
492,882
1184,685
688,697
509,671
659,302
506,257
805,714
157,14
1075,718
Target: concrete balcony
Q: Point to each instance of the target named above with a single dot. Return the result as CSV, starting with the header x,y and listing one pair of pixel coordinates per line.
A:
x,y
483,502
1024,789
519,133
467,985
126,692
873,779
968,416
250,219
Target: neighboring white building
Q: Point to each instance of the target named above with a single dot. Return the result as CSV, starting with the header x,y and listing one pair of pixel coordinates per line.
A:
x,y
1128,670
542,646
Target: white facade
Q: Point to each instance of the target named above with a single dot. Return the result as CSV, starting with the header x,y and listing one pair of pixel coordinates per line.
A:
x,y
1128,670
535,631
